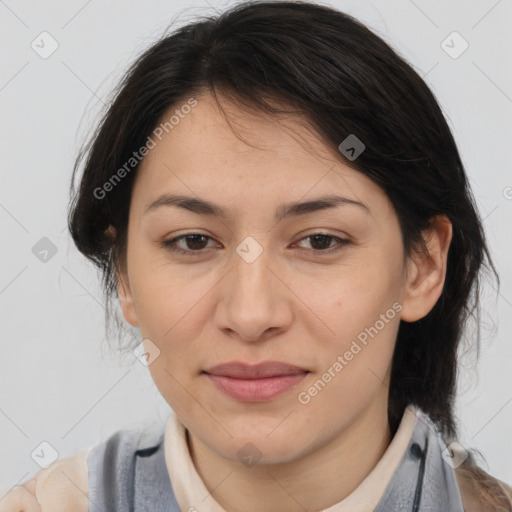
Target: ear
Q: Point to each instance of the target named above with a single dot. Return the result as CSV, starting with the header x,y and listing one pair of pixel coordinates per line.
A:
x,y
426,273
126,299
124,290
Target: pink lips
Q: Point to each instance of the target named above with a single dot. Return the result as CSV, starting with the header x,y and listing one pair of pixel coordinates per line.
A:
x,y
255,383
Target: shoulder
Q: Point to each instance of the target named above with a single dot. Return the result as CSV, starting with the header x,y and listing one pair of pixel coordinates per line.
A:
x,y
103,472
60,487
480,491
470,487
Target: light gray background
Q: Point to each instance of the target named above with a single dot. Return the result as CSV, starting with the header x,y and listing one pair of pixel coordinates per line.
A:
x,y
56,382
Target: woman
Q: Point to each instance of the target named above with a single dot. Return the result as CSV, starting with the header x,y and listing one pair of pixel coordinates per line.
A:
x,y
276,200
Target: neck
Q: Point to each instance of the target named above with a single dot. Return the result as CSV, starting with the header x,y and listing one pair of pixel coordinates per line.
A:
x,y
314,482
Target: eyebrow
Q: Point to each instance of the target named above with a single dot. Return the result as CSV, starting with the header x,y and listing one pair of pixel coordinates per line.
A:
x,y
203,207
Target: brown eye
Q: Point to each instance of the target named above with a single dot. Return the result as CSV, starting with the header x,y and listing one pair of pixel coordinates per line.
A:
x,y
322,243
194,243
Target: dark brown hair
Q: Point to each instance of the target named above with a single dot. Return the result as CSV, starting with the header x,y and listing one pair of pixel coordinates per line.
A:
x,y
343,79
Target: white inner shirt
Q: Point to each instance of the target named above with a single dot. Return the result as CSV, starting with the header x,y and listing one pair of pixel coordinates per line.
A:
x,y
190,491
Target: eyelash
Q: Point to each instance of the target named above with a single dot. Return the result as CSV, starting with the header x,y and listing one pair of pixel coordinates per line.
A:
x,y
170,244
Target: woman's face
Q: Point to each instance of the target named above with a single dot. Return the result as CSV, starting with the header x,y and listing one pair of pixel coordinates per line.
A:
x,y
260,286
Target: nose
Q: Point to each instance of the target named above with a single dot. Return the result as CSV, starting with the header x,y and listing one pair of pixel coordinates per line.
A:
x,y
254,302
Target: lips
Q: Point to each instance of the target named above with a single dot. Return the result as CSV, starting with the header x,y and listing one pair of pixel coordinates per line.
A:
x,y
240,370
255,383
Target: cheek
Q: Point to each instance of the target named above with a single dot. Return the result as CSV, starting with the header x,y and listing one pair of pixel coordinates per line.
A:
x,y
373,288
355,368
364,314
172,382
163,297
355,297
368,337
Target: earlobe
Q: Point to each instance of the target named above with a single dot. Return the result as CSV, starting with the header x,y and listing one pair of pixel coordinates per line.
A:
x,y
426,273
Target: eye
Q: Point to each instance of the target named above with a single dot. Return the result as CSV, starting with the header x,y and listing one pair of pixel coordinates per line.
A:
x,y
194,241
322,241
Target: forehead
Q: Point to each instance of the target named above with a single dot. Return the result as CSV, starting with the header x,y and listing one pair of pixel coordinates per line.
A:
x,y
239,152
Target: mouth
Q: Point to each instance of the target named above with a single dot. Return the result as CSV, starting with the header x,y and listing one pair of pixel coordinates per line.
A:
x,y
241,370
255,383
